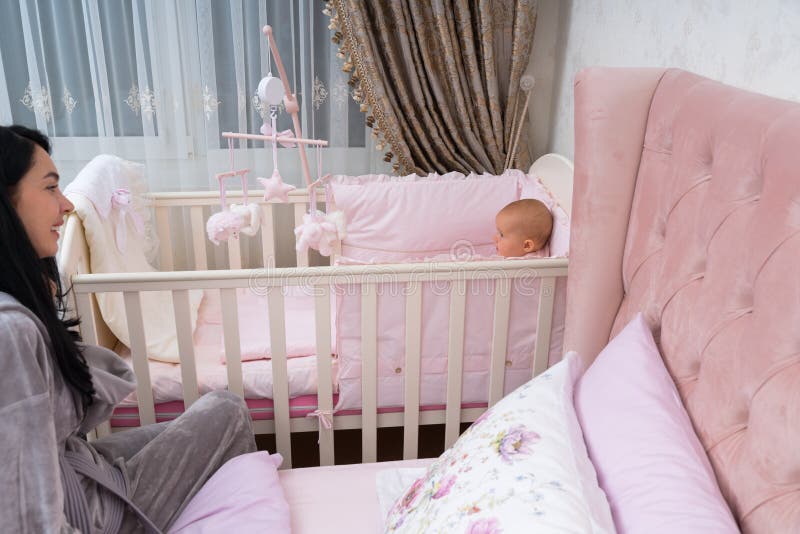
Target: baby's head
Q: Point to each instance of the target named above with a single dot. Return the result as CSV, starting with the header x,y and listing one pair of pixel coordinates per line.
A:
x,y
523,227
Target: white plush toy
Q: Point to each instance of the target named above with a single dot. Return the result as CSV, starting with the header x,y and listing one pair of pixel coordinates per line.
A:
x,y
251,217
230,221
320,231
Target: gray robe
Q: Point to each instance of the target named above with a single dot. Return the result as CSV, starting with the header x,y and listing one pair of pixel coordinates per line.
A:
x,y
162,465
40,416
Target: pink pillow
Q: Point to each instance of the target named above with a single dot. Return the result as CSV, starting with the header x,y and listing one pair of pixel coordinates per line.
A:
x,y
648,458
243,496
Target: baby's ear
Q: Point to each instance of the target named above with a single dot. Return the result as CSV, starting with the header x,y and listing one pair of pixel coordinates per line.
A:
x,y
529,245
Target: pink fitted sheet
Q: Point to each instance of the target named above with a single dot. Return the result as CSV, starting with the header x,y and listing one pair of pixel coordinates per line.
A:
x,y
317,502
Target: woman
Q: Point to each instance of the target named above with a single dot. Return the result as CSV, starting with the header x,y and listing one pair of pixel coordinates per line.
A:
x,y
53,389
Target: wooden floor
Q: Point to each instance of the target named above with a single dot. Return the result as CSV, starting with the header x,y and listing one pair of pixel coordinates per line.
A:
x,y
348,445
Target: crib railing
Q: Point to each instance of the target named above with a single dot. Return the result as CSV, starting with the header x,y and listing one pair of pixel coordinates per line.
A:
x,y
167,203
323,280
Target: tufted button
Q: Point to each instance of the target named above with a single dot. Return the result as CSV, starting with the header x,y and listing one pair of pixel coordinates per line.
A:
x,y
661,227
708,157
508,363
742,416
398,370
699,266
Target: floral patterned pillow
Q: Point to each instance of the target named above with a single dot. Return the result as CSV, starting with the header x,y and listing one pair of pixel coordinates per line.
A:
x,y
521,467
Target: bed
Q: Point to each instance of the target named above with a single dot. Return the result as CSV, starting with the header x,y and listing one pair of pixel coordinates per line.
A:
x,y
685,226
213,312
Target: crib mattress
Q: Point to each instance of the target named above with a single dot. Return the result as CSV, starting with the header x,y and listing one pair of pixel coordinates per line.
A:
x,y
212,373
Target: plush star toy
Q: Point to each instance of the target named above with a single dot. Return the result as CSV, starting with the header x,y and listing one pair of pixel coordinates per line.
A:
x,y
275,188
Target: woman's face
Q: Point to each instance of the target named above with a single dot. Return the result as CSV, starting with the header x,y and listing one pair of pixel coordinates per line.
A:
x,y
40,204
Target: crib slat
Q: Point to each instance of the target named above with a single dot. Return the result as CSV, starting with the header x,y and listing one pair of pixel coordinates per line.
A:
x,y
544,320
502,303
230,329
267,236
412,392
369,373
280,374
299,211
322,321
164,238
198,238
235,253
83,301
183,327
102,430
455,361
144,392
83,310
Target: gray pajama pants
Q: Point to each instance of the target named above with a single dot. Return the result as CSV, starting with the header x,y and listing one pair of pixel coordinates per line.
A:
x,y
167,463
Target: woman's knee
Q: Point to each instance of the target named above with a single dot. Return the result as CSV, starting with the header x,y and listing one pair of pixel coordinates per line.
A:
x,y
225,405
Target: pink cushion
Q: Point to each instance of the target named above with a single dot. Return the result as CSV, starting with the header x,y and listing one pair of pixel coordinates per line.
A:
x,y
447,209
243,496
648,459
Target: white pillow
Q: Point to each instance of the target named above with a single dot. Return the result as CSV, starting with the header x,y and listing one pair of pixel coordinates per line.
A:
x,y
521,467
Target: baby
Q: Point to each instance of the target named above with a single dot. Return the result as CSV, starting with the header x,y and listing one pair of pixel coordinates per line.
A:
x,y
524,226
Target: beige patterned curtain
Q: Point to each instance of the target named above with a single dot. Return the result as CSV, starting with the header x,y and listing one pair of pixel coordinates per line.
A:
x,y
439,79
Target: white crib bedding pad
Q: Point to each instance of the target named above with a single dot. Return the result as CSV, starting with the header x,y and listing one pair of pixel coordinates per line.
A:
x,y
318,504
212,373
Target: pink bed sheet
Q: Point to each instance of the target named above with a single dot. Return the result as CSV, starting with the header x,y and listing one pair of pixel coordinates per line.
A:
x,y
318,504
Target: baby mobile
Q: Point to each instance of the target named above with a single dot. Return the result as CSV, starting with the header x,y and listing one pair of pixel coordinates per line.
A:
x,y
319,230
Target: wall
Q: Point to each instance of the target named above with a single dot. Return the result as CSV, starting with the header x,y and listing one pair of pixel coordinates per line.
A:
x,y
753,45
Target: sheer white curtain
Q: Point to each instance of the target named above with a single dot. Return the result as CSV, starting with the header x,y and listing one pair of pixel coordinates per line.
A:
x,y
157,81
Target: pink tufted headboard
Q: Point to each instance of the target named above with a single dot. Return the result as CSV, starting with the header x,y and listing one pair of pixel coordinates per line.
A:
x,y
686,206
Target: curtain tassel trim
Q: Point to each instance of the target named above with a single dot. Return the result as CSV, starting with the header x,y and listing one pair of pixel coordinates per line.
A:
x,y
359,94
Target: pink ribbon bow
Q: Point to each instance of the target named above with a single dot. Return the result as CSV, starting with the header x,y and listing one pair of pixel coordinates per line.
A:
x,y
121,201
266,129
324,417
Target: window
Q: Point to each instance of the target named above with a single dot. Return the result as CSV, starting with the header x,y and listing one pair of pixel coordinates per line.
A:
x,y
159,82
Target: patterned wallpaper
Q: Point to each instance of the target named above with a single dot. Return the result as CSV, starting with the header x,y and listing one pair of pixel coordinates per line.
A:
x,y
753,45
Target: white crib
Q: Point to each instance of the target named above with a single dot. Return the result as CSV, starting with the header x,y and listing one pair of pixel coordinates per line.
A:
x,y
74,265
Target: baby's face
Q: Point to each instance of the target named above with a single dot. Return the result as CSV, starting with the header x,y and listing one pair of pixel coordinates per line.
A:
x,y
508,239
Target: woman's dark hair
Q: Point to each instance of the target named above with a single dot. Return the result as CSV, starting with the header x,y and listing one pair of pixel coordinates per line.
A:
x,y
32,280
